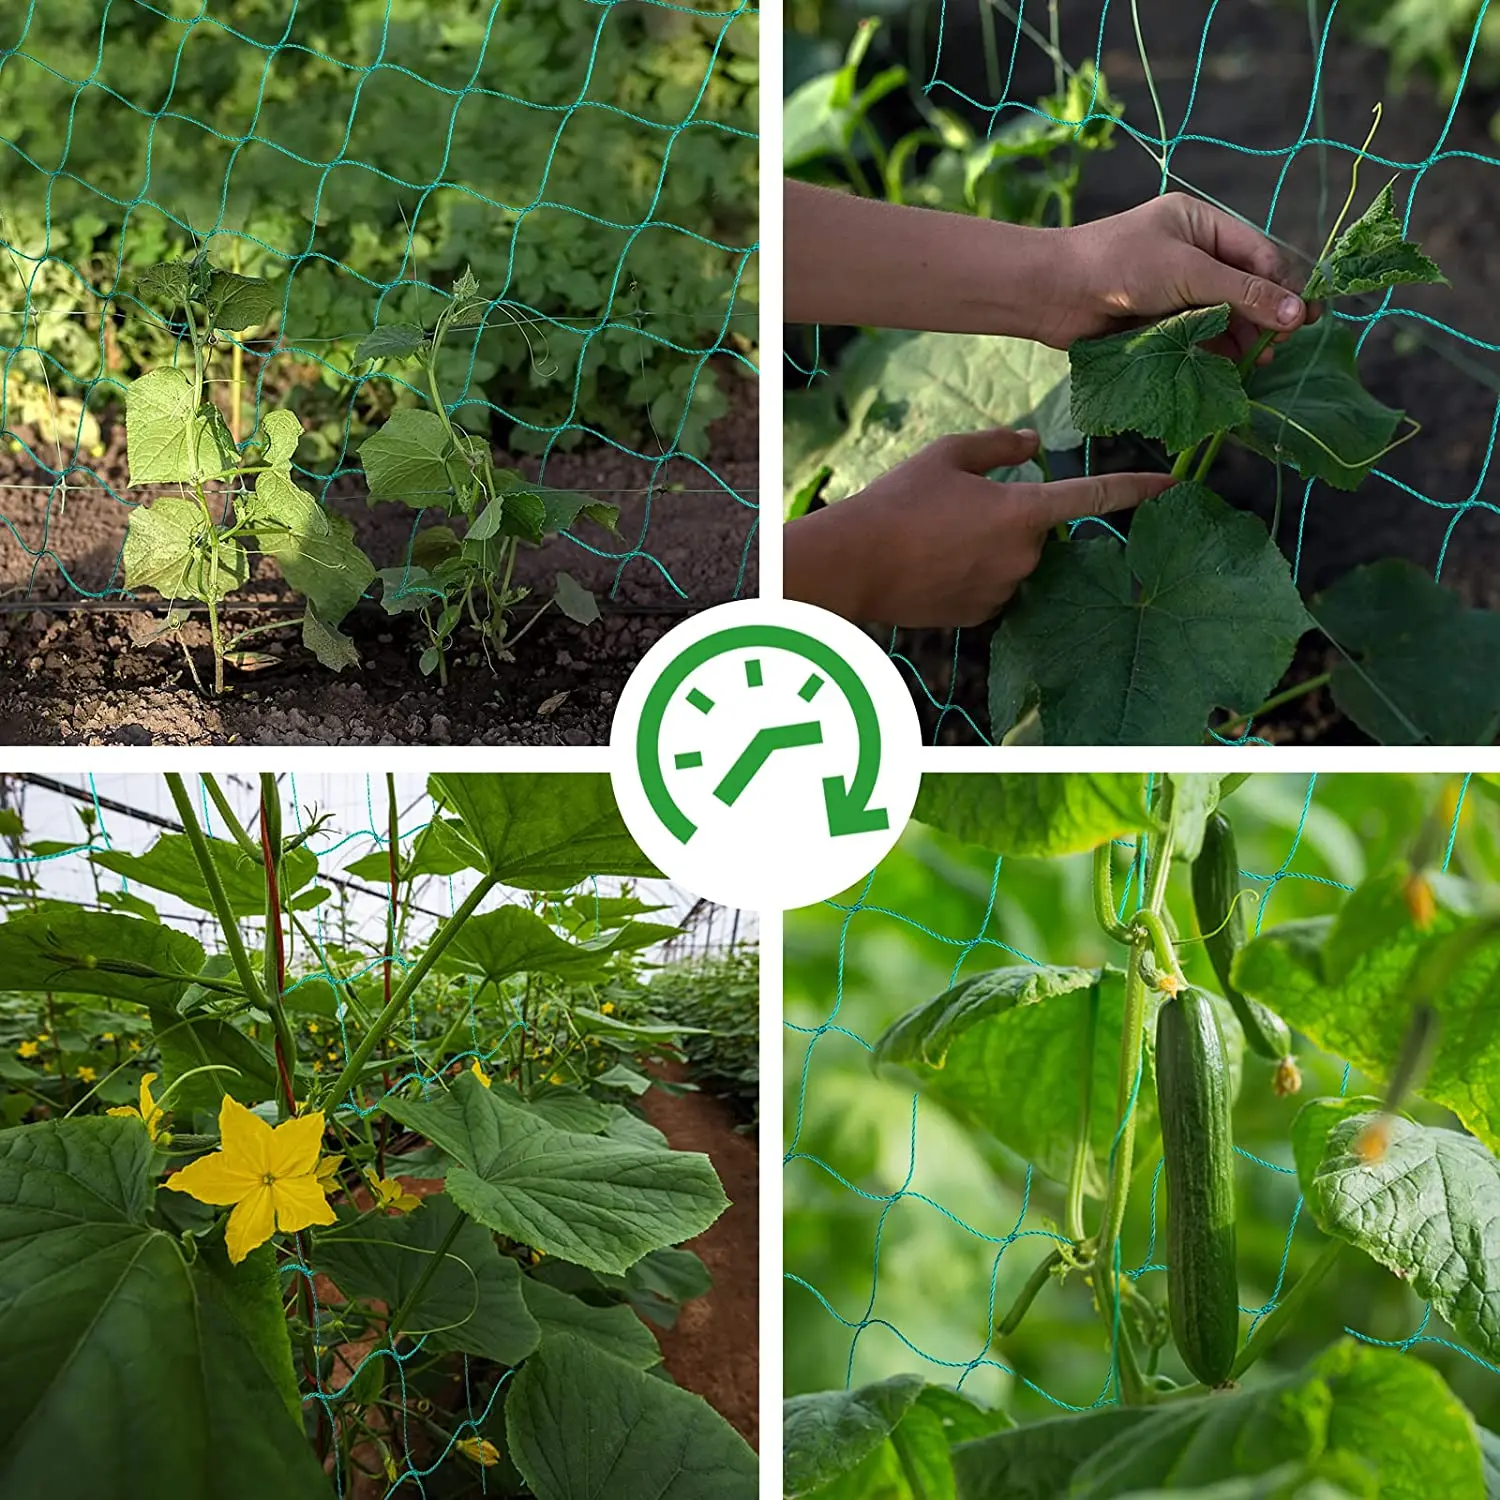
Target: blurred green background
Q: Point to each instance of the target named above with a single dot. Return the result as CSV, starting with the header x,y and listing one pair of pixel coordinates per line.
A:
x,y
594,163
898,1219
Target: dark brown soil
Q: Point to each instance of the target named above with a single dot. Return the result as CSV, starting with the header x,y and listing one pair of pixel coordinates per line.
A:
x,y
88,676
714,1349
1253,91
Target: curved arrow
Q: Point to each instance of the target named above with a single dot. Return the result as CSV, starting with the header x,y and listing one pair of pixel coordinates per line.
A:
x,y
848,808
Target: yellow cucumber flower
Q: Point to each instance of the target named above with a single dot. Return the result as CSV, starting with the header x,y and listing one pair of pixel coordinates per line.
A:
x,y
608,1008
27,1049
393,1195
327,1172
87,1074
556,1078
149,1113
481,1450
479,1073
270,1176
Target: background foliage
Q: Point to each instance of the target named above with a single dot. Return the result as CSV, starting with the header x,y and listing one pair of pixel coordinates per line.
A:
x,y
721,994
595,164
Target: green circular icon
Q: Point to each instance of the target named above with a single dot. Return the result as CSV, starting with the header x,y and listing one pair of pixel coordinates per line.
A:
x,y
829,678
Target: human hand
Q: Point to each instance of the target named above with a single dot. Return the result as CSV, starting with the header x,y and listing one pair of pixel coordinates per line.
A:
x,y
1172,253
934,542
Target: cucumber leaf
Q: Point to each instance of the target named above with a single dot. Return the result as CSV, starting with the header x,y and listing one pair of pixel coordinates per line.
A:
x,y
1371,255
591,1199
1347,982
891,1439
1198,610
1035,816
169,865
472,1303
60,950
830,1433
1159,381
114,1342
314,547
169,547
1428,1210
1410,645
1353,1409
580,1423
167,441
1308,409
903,391
1000,1050
534,830
614,1329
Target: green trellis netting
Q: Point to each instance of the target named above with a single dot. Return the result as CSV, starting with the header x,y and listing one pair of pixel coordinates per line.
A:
x,y
594,163
1303,81
906,1240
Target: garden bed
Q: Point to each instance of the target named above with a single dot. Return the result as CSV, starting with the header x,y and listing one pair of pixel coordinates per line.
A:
x,y
86,675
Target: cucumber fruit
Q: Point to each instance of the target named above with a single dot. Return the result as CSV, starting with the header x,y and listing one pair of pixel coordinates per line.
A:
x,y
1192,1094
1221,920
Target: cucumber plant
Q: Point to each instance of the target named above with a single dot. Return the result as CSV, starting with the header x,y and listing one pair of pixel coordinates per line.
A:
x,y
1396,981
1199,611
1189,628
233,500
192,544
329,1212
422,459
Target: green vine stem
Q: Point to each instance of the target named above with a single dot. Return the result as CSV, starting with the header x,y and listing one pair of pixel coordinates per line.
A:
x,y
414,976
413,1297
215,887
1083,1153
275,943
1289,695
1132,1035
1162,949
1275,1321
393,871
1104,896
1028,1293
1184,460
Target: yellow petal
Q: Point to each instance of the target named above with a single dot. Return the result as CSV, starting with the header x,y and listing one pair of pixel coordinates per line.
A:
x,y
127,1110
215,1179
481,1450
327,1172
244,1138
252,1223
299,1202
295,1145
479,1073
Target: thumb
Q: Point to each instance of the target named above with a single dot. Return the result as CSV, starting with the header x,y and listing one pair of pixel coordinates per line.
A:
x,y
1099,495
994,448
1206,280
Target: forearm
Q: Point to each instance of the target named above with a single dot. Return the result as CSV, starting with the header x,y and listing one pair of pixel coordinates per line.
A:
x,y
822,564
860,262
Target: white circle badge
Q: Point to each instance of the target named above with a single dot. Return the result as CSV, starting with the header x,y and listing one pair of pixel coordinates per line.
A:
x,y
765,754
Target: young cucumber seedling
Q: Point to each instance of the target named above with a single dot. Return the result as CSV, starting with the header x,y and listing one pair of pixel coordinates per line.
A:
x,y
421,459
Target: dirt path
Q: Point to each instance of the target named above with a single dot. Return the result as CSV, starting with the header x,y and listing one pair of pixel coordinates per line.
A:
x,y
715,1347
